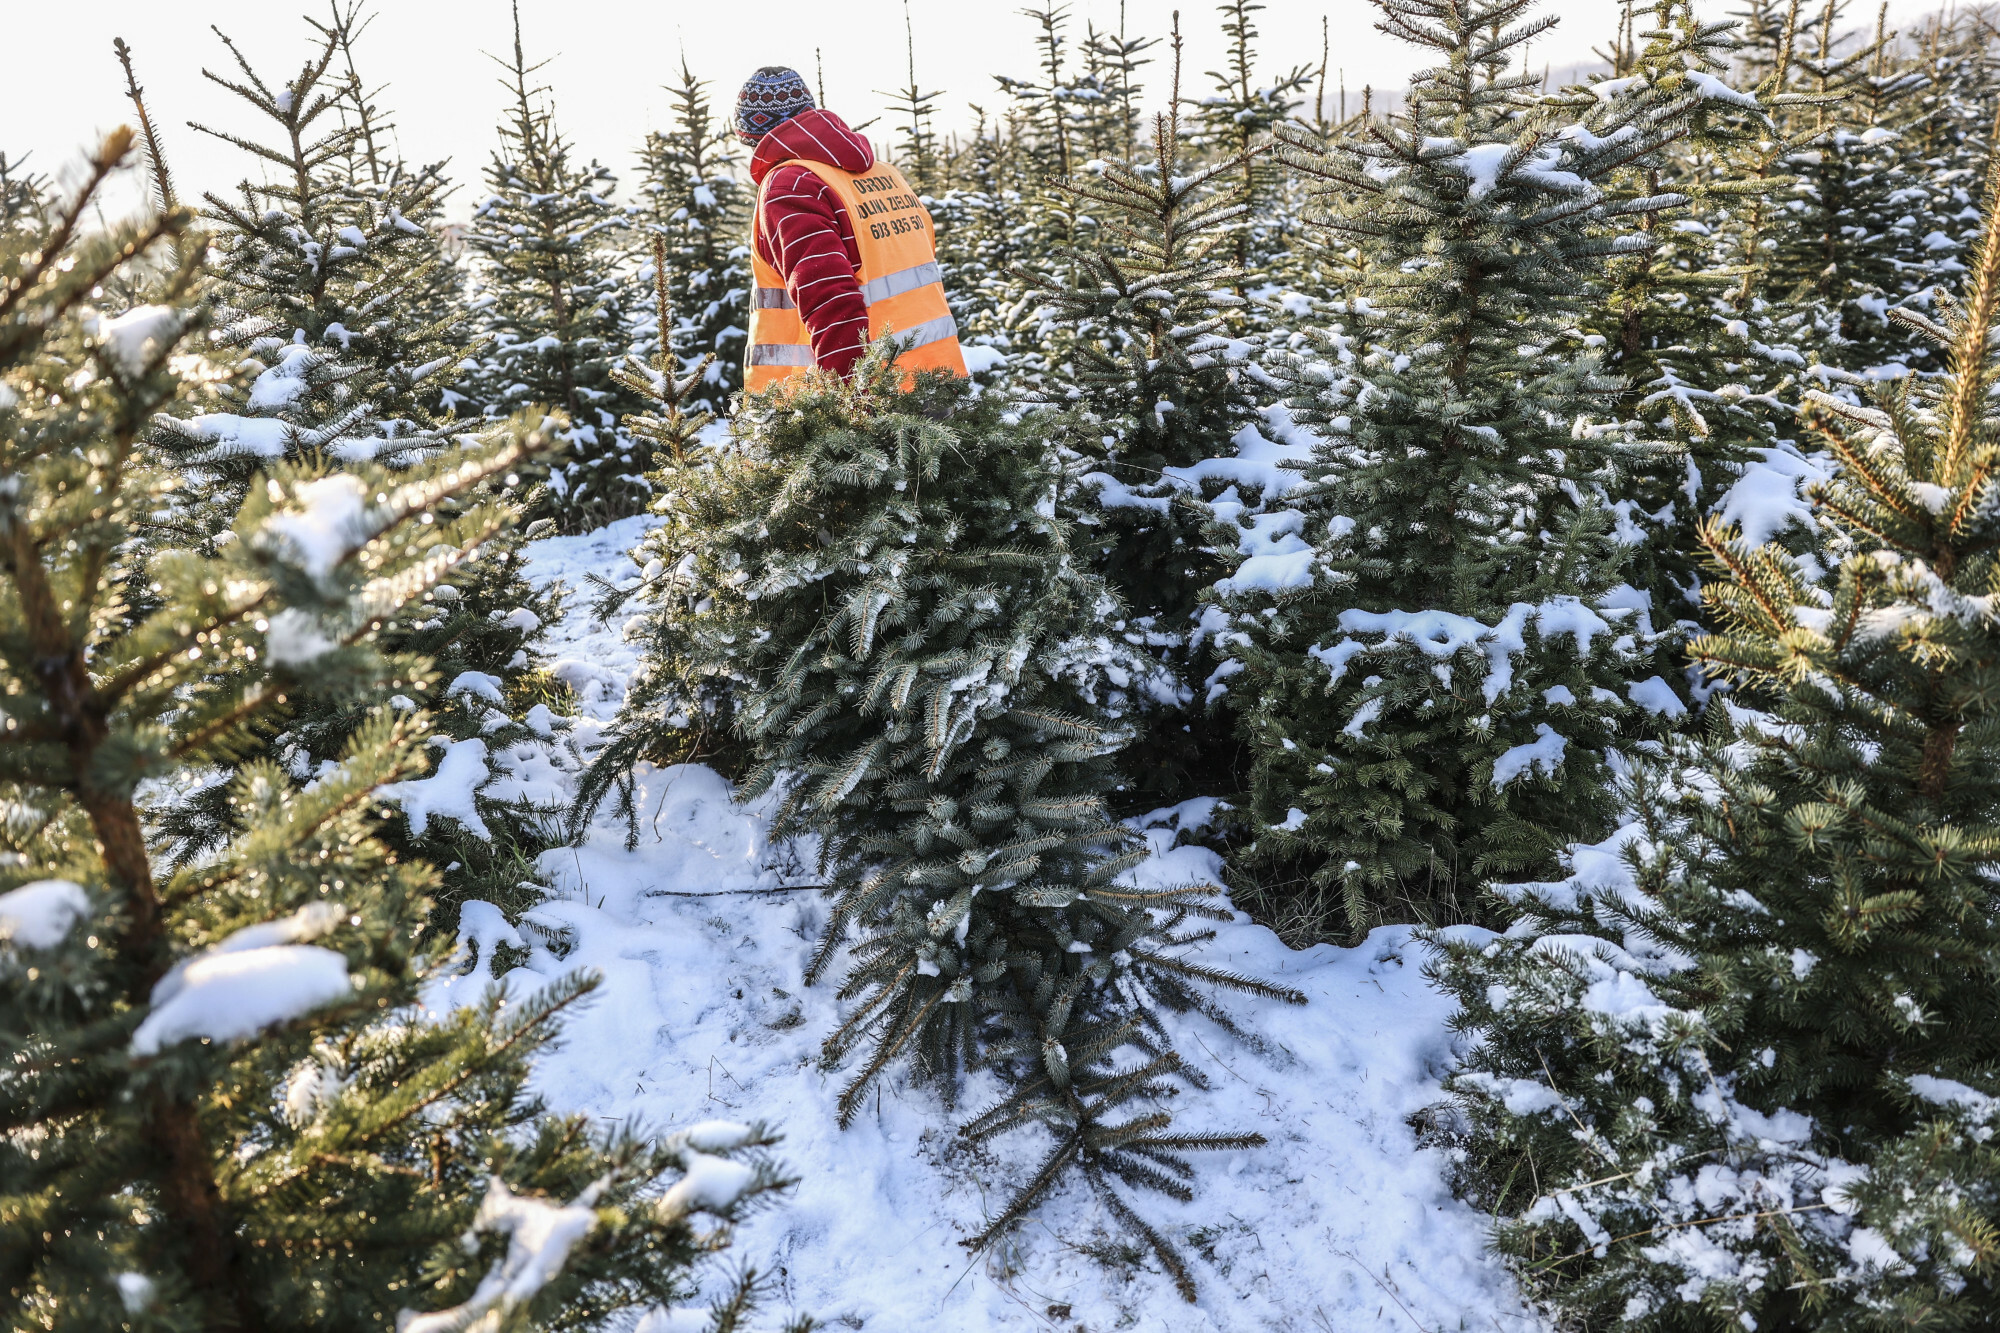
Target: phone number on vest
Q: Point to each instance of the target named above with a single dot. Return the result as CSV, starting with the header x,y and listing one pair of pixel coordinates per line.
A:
x,y
896,227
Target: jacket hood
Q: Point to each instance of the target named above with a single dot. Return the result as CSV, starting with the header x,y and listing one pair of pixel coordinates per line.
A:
x,y
816,136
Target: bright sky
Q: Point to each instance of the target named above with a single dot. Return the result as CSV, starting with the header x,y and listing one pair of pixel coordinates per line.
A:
x,y
610,58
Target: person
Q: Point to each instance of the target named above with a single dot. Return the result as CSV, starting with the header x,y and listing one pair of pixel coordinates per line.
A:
x,y
842,248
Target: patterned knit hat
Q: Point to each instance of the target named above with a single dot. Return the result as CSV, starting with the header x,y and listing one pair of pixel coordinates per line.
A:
x,y
772,96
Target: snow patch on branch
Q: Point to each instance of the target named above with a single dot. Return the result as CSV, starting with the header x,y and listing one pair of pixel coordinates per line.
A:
x,y
540,1236
1542,755
257,977
329,523
451,790
40,914
134,338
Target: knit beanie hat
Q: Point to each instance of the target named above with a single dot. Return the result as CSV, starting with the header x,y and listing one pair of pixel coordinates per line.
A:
x,y
772,96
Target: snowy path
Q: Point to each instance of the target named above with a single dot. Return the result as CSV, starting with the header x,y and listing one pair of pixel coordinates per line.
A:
x,y
1339,1224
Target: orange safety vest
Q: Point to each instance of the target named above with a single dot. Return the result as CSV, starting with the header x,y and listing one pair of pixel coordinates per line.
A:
x,y
899,278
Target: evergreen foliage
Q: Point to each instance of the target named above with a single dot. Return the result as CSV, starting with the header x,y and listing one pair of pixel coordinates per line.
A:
x,y
1746,1072
23,194
691,196
1376,482
1112,124
675,417
984,230
165,198
312,275
223,1107
344,303
1046,106
1850,247
548,235
432,294
920,152
1236,118
876,587
1154,389
673,731
1441,646
1671,314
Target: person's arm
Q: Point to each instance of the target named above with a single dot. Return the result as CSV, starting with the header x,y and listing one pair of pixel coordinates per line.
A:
x,y
811,242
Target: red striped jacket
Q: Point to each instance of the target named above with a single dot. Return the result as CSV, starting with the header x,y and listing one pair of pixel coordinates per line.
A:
x,y
805,234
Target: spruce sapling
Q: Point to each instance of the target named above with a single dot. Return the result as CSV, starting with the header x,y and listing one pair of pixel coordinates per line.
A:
x,y
1235,119
691,196
1741,1065
311,276
1434,645
550,296
1155,388
334,284
224,1107
1670,313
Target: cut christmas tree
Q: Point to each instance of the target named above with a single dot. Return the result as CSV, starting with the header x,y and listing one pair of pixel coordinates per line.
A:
x,y
874,591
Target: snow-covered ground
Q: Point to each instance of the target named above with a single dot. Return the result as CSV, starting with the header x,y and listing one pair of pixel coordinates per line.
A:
x,y
1340,1223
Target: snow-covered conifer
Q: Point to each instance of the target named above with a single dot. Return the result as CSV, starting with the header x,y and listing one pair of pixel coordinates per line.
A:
x,y
692,196
1047,120
333,282
1848,247
1233,122
1671,317
675,413
310,275
983,232
226,1107
432,294
1152,388
1045,106
1113,125
1434,645
551,296
1739,1067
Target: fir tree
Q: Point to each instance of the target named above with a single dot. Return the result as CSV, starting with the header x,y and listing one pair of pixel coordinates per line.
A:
x,y
1112,125
1154,389
1435,640
1046,122
676,416
1849,248
1748,1074
23,194
1236,117
1044,104
1952,135
983,232
223,1108
311,276
692,197
549,294
908,648
342,298
433,294
920,152
1671,319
